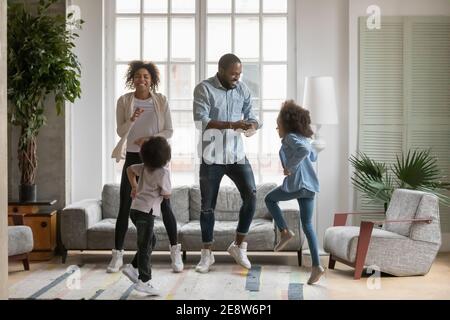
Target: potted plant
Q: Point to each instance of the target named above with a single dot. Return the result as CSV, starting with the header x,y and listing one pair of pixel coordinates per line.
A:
x,y
40,63
418,170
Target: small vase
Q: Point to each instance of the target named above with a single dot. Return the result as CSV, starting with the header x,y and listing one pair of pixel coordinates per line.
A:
x,y
27,193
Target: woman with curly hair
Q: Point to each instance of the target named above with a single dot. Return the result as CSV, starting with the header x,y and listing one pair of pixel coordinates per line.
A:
x,y
296,155
140,115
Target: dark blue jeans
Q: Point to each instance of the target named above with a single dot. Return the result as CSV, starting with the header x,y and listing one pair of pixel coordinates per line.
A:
x,y
305,199
210,177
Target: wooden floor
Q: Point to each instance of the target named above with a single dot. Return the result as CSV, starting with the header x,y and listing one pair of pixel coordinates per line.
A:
x,y
339,282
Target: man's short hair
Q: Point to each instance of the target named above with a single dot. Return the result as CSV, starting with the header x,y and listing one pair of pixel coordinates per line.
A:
x,y
227,60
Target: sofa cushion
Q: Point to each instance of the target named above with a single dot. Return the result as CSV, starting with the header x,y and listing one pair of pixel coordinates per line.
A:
x,y
20,240
110,200
101,235
179,201
428,209
260,237
403,205
342,241
229,203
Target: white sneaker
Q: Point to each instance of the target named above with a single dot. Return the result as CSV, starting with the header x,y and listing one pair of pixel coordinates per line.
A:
x,y
116,261
316,273
147,287
239,253
206,261
131,272
175,256
285,238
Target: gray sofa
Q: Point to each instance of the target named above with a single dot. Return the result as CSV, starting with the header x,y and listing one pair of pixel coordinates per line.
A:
x,y
89,224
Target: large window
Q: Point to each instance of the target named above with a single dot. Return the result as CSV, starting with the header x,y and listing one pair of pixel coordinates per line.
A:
x,y
186,38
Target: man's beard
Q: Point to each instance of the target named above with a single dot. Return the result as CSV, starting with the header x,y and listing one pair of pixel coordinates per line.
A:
x,y
231,85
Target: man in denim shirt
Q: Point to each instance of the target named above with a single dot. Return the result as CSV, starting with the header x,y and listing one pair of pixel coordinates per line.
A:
x,y
222,110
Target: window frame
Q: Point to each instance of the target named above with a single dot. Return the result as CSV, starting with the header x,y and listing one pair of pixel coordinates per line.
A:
x,y
200,65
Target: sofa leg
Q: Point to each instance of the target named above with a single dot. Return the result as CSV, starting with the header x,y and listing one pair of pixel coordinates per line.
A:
x,y
299,257
26,263
64,255
184,256
331,263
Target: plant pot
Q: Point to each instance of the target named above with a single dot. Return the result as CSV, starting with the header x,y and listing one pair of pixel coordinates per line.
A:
x,y
27,192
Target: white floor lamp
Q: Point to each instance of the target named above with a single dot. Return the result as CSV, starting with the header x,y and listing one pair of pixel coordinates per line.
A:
x,y
320,99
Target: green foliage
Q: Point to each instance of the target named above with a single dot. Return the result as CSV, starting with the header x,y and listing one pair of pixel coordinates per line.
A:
x,y
40,63
418,170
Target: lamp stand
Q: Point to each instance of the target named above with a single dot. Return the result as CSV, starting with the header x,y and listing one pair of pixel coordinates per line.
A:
x,y
319,145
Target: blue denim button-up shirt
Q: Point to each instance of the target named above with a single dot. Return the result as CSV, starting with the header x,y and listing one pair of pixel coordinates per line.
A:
x,y
214,102
297,155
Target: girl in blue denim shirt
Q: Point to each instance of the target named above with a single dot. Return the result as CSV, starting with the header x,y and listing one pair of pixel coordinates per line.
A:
x,y
296,155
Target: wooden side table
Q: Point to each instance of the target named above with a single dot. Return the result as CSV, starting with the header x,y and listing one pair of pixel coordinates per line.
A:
x,y
41,222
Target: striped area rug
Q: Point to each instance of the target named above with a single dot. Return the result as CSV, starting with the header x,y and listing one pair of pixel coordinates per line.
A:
x,y
224,281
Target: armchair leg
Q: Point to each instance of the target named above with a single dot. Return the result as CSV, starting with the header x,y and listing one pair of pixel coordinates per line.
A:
x,y
362,247
358,272
63,255
299,257
184,256
331,263
26,263
21,257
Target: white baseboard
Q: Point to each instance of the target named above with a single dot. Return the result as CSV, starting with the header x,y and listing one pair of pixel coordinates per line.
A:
x,y
445,246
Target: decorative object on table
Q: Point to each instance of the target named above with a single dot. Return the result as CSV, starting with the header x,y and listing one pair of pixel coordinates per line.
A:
x,y
40,62
418,170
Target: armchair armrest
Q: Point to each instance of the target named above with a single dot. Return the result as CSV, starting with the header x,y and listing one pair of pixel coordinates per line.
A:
x,y
340,218
76,219
429,220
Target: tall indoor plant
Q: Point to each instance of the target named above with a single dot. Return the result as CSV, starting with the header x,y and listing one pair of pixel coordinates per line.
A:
x,y
40,63
417,170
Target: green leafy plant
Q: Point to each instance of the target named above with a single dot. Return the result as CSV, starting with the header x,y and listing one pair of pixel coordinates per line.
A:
x,y
40,63
418,170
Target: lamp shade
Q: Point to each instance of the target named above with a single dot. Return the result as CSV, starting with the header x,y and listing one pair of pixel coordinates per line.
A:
x,y
320,99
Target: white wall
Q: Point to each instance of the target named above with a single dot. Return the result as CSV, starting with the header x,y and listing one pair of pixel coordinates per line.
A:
x,y
357,8
87,160
322,38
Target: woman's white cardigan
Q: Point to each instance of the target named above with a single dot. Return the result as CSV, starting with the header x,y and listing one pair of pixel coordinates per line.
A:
x,y
124,111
